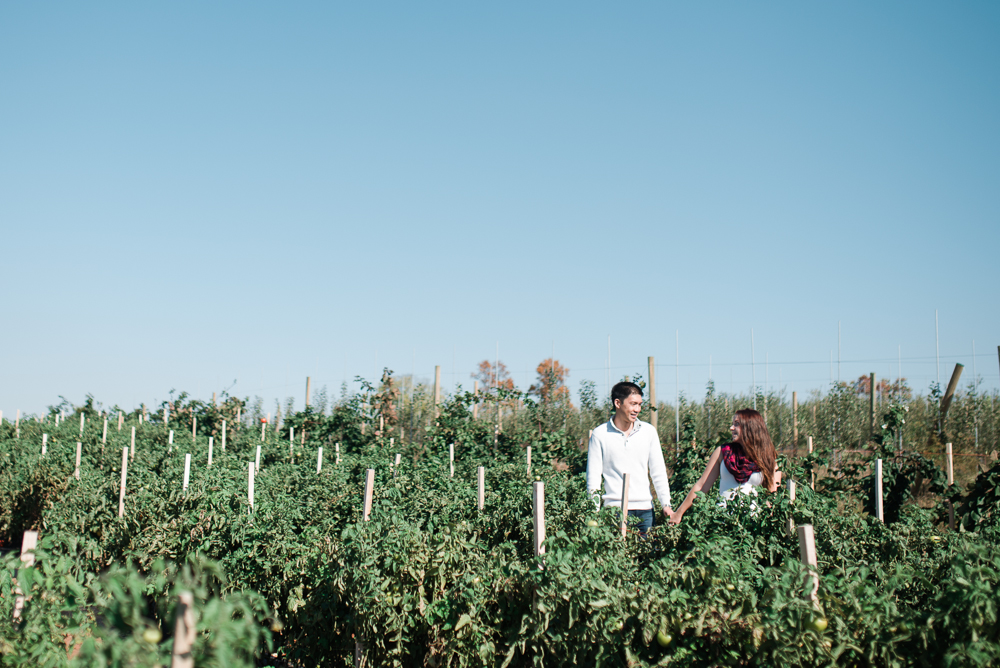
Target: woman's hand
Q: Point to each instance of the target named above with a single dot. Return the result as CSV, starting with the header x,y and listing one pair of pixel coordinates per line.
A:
x,y
675,518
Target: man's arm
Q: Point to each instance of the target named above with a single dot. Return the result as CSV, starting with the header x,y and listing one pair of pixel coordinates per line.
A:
x,y
658,473
595,468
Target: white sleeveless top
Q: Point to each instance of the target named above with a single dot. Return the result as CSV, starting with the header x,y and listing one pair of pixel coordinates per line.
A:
x,y
728,485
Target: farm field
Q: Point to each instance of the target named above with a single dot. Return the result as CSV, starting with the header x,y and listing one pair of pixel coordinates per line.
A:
x,y
295,575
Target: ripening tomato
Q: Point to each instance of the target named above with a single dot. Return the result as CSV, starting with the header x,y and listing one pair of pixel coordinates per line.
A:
x,y
818,624
664,638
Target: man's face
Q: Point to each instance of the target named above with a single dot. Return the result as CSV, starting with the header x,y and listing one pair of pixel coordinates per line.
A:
x,y
630,407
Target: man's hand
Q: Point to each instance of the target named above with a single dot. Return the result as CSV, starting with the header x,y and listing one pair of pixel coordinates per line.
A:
x,y
671,517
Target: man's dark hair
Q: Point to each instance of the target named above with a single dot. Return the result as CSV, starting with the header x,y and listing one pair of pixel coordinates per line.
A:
x,y
623,390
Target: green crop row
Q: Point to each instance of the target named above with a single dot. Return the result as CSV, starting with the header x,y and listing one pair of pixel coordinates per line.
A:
x,y
430,580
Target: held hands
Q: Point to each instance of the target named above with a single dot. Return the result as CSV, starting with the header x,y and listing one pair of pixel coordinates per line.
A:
x,y
672,517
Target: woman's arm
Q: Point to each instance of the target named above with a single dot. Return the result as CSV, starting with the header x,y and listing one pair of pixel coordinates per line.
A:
x,y
706,481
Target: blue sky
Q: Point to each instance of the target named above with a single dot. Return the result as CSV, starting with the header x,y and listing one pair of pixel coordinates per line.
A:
x,y
256,192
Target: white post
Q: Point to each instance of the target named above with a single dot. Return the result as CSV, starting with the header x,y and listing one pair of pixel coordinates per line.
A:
x,y
28,544
223,435
184,632
369,486
121,420
210,450
481,474
104,435
338,453
263,428
625,485
166,415
951,481
878,491
319,459
79,451
257,460
250,484
451,458
17,424
187,470
82,418
529,460
194,430
45,443
132,445
170,442
121,493
791,499
807,554
538,506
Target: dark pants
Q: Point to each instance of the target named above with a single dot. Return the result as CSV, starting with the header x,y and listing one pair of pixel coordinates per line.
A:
x,y
645,519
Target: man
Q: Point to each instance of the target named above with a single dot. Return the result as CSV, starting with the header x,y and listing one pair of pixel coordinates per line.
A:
x,y
624,444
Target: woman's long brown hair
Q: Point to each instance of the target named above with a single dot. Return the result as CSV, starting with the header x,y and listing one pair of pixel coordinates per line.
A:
x,y
757,443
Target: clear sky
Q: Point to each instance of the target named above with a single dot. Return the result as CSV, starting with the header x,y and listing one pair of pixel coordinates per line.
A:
x,y
194,194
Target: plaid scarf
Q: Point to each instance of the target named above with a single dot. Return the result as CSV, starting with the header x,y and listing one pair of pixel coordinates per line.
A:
x,y
736,460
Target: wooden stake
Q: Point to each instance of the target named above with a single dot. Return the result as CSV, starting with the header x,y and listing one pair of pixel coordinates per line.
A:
x,y
538,515
82,419
791,500
481,475
121,492
437,389
653,417
399,457
950,464
28,544
210,439
132,445
257,459
223,435
369,487
308,393
187,471
121,420
166,414
951,481
807,554
45,442
170,442
451,459
184,632
795,420
879,513
529,460
239,414
812,481
263,426
950,392
337,451
17,421
319,459
627,478
194,430
250,474
79,451
872,410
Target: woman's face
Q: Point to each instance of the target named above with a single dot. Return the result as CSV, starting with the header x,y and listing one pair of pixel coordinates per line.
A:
x,y
734,429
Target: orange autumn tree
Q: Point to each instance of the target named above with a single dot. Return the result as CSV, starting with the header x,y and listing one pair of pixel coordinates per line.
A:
x,y
551,384
491,375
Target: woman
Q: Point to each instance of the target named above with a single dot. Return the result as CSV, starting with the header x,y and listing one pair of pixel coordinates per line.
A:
x,y
747,463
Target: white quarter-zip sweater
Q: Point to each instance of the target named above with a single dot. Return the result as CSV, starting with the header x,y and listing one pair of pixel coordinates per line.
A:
x,y
612,453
